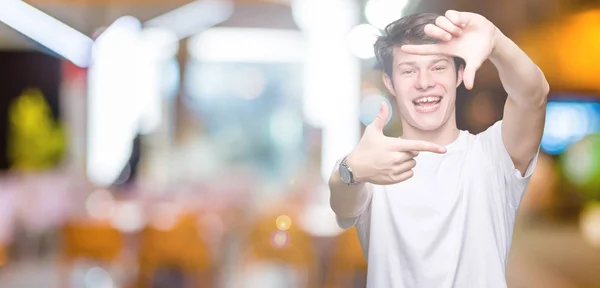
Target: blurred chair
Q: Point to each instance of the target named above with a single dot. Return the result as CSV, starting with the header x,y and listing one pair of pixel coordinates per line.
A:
x,y
347,267
285,256
95,241
178,248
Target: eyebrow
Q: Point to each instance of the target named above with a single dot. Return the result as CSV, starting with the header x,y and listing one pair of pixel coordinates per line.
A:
x,y
413,63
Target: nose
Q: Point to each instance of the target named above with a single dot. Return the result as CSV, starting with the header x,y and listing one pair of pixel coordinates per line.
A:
x,y
424,81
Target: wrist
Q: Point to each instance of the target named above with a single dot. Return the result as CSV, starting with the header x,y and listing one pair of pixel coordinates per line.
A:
x,y
352,161
500,42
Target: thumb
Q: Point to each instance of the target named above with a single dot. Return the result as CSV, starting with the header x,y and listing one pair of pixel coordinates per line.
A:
x,y
469,75
381,118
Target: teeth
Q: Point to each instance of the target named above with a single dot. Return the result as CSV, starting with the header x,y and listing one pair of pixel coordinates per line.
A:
x,y
428,99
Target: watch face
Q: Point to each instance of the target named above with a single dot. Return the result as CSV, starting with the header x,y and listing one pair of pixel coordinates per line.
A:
x,y
345,175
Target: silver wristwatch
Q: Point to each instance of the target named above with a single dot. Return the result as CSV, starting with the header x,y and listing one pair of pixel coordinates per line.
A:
x,y
346,173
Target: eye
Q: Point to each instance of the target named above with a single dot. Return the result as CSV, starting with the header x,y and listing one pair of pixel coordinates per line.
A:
x,y
407,72
439,68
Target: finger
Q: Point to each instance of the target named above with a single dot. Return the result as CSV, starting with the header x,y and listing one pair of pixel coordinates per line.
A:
x,y
456,18
406,166
437,32
404,176
418,145
469,75
448,26
424,49
412,153
401,157
381,119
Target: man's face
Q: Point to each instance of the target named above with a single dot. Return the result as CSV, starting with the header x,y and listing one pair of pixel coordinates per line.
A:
x,y
424,88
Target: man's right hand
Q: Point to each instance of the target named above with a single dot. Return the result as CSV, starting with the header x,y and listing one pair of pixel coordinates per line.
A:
x,y
383,160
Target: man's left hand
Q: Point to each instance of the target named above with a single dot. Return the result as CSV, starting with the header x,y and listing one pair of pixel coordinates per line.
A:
x,y
466,35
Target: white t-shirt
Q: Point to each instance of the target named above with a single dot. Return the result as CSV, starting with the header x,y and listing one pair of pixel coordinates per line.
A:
x,y
450,225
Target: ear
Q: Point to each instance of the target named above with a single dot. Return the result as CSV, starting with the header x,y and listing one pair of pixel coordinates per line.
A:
x,y
459,75
389,84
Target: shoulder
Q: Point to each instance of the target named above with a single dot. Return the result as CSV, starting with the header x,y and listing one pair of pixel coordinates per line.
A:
x,y
489,141
491,133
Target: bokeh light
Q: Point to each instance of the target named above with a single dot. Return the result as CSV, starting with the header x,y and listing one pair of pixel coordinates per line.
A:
x,y
380,13
370,107
283,222
590,224
100,204
97,277
581,162
361,40
568,122
128,217
164,216
280,239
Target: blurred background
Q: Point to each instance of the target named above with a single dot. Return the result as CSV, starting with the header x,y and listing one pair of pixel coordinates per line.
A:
x,y
148,143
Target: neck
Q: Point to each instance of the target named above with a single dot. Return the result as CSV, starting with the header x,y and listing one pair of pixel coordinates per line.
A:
x,y
443,135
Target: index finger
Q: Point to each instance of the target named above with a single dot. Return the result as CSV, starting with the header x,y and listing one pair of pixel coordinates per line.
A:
x,y
419,145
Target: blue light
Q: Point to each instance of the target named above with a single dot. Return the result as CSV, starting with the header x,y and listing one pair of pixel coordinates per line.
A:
x,y
567,123
370,107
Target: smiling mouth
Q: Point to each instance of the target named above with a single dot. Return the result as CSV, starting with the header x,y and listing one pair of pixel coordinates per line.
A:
x,y
427,104
427,100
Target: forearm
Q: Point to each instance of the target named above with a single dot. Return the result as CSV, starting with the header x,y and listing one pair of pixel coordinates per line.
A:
x,y
525,108
520,76
347,200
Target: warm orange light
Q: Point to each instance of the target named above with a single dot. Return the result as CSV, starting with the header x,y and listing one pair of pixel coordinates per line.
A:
x,y
567,51
283,222
578,47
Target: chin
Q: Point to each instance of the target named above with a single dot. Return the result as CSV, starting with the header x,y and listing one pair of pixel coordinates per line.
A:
x,y
429,121
428,125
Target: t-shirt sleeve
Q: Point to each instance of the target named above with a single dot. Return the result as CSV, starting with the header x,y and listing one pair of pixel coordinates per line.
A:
x,y
349,222
514,181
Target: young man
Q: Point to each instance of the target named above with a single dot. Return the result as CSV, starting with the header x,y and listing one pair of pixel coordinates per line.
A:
x,y
436,207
